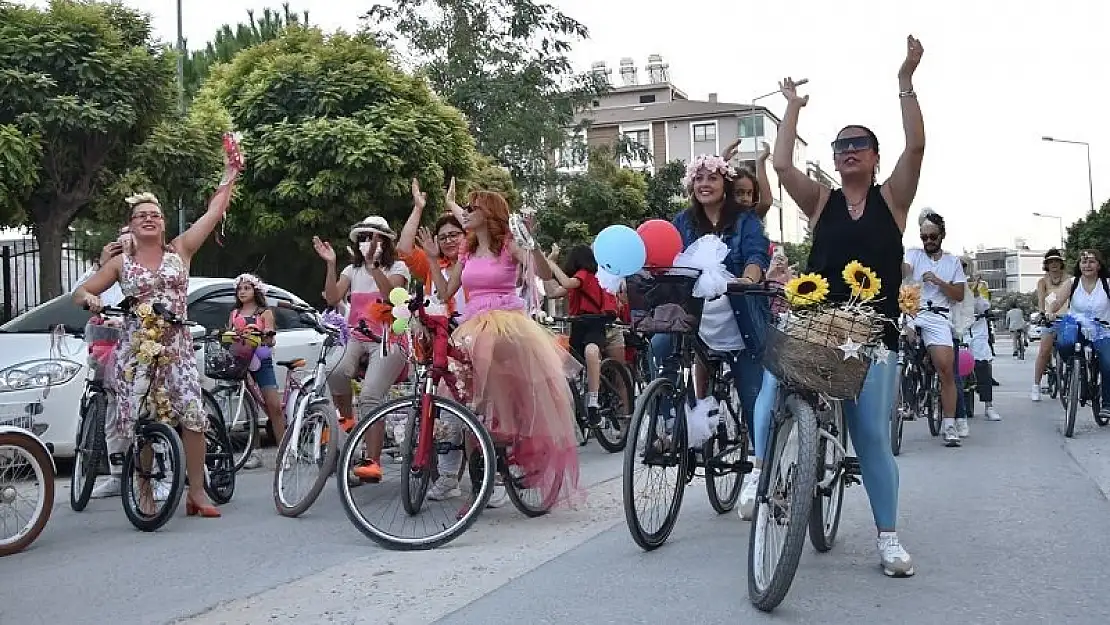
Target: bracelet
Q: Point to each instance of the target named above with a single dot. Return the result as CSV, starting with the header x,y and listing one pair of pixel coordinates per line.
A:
x,y
908,93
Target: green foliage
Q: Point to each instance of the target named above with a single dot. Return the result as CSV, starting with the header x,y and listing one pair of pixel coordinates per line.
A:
x,y
489,176
665,195
503,63
19,171
1091,232
797,254
1026,301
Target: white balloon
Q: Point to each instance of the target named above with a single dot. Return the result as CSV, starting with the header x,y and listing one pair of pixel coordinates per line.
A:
x,y
401,312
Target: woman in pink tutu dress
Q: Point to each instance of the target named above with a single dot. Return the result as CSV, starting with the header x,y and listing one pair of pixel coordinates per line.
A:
x,y
519,372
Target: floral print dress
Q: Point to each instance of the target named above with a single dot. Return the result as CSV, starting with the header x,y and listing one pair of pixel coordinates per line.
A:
x,y
178,379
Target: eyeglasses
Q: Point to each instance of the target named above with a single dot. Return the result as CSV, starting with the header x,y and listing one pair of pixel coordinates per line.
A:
x,y
930,237
364,236
449,237
852,144
152,216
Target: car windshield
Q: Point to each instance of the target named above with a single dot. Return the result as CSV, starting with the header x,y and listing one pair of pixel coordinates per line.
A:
x,y
60,310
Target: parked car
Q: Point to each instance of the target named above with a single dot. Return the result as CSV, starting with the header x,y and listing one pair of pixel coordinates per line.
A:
x,y
42,374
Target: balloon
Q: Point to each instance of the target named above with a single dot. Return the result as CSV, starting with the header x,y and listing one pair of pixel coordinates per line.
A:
x,y
401,312
398,296
619,250
263,352
662,242
256,364
400,325
966,363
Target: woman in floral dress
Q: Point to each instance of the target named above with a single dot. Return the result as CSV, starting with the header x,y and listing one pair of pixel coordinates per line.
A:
x,y
154,272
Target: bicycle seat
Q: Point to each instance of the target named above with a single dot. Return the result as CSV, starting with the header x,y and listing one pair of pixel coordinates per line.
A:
x,y
296,363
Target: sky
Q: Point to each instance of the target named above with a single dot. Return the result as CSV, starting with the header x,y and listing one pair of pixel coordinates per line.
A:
x,y
996,76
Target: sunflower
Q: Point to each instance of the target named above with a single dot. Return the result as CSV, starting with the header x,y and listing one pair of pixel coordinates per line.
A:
x,y
862,280
807,289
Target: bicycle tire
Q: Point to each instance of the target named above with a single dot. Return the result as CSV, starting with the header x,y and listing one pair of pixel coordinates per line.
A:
x,y
899,406
804,421
45,475
932,404
175,453
735,441
1053,383
1063,376
413,490
645,539
219,476
612,370
306,412
91,450
1072,406
354,444
515,487
227,395
1094,390
824,525
581,420
969,396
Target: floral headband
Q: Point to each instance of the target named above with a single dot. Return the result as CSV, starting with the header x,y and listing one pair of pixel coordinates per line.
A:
x,y
710,163
253,280
143,198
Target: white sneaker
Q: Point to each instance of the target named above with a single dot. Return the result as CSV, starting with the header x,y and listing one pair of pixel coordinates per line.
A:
x,y
108,487
161,491
992,414
1035,394
747,495
893,558
498,497
443,489
254,462
962,428
951,435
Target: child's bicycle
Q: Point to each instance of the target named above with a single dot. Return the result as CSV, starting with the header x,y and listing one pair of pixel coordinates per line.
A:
x,y
26,483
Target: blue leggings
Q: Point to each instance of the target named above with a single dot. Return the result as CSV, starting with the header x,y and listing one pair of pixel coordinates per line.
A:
x,y
868,422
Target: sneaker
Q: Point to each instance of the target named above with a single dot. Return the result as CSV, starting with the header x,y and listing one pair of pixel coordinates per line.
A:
x,y
951,435
254,461
1035,394
593,415
368,471
992,414
498,497
443,489
161,491
747,495
962,428
893,558
108,487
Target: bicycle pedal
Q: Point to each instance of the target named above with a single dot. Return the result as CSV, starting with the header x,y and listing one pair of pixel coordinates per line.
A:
x,y
851,467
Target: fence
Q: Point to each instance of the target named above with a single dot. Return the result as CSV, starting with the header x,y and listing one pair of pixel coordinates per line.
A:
x,y
19,261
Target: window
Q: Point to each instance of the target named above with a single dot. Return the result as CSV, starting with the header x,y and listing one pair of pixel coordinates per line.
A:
x,y
751,126
705,132
573,154
60,310
638,136
647,99
212,312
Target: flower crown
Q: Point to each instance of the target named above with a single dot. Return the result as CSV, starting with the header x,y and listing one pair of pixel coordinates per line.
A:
x,y
708,162
143,198
253,280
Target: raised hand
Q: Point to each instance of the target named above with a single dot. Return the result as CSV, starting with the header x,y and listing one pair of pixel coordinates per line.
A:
x,y
764,151
450,200
790,92
323,249
914,50
730,149
427,242
419,199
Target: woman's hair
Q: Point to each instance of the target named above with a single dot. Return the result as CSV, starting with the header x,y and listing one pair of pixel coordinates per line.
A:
x,y
259,296
386,260
446,220
496,210
1052,252
744,172
730,211
580,257
1103,271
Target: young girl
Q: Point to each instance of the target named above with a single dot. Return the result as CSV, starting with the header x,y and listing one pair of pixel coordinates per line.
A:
x,y
250,311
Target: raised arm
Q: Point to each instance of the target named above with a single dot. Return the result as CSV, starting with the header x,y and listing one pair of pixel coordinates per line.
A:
x,y
88,293
407,240
453,206
765,197
190,241
334,287
900,189
809,194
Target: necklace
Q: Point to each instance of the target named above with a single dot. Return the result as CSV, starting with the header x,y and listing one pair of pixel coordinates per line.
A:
x,y
1054,282
855,208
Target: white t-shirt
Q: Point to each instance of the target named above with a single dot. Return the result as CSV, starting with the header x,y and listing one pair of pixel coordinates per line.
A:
x,y
1093,304
947,268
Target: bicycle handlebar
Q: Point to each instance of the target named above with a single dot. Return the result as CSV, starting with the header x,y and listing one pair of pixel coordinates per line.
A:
x,y
125,309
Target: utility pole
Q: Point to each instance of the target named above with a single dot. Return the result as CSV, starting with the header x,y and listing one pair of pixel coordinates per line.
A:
x,y
180,103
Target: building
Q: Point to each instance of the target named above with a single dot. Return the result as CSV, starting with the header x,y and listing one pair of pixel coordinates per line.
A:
x,y
1009,270
666,125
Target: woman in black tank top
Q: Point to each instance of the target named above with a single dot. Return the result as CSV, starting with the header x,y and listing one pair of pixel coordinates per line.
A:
x,y
863,221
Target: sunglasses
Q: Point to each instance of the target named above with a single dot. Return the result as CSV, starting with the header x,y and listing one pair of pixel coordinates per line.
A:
x,y
852,144
930,237
450,236
470,208
362,237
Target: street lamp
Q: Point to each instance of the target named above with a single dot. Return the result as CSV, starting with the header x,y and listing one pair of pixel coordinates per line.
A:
x,y
1060,221
755,145
180,103
1090,179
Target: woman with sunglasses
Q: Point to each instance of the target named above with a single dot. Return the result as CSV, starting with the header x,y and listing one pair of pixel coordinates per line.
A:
x,y
519,371
1086,297
375,272
1053,277
861,221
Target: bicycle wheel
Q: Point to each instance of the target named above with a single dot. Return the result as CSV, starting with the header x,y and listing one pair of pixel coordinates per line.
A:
x,y
157,446
828,496
658,446
932,403
91,451
416,476
616,399
1094,386
725,453
519,486
581,419
969,395
1051,381
306,456
1072,405
219,462
1063,376
902,396
782,506
26,472
443,520
241,418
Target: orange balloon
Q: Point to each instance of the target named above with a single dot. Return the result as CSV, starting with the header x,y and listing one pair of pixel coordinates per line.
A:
x,y
662,242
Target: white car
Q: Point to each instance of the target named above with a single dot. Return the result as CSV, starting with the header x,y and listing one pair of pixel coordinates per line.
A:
x,y
43,374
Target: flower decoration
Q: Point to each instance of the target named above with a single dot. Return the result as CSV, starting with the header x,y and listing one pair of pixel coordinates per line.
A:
x,y
253,280
710,163
335,320
862,281
909,298
150,351
807,289
380,312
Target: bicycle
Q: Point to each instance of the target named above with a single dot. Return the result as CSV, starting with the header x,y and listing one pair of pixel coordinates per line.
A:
x,y
660,439
26,467
914,377
1052,368
91,457
227,356
1081,380
1020,341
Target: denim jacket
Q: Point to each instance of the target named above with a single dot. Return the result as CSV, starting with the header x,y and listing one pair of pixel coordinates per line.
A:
x,y
748,244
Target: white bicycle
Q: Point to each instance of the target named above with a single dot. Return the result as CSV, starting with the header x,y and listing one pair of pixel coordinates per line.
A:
x,y
27,475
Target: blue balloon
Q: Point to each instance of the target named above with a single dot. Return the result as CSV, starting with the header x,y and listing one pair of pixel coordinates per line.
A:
x,y
620,250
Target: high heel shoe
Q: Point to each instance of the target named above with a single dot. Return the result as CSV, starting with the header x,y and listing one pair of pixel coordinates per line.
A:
x,y
205,511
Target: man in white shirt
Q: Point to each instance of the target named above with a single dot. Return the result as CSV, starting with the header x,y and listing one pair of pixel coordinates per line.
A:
x,y
942,281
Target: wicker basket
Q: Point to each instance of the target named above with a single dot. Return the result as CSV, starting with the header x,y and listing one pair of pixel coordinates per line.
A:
x,y
226,360
663,301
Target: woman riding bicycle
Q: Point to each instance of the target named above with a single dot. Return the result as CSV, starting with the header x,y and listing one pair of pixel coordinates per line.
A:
x,y
1087,296
861,221
250,312
154,272
1053,277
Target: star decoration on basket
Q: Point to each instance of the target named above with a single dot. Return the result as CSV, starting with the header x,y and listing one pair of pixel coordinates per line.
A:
x,y
851,349
880,353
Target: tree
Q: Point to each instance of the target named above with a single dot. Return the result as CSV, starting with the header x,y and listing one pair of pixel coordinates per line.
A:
x,y
332,132
1091,232
797,254
81,85
503,64
665,195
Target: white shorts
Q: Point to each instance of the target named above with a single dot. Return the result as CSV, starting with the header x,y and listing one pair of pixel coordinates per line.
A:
x,y
933,328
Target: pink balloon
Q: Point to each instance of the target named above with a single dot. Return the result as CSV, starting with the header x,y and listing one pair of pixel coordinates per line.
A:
x,y
966,363
662,242
256,364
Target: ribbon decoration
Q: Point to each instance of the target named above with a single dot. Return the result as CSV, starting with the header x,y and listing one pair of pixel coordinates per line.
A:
x,y
707,254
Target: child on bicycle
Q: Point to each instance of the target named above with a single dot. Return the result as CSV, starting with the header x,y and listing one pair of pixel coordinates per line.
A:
x,y
251,313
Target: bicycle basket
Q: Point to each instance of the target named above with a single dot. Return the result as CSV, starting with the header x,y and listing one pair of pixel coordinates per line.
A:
x,y
826,350
664,302
225,360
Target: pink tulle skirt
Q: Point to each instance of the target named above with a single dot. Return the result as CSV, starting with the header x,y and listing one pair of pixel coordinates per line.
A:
x,y
519,382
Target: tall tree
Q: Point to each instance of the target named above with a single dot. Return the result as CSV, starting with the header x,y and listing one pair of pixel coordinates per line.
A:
x,y
665,195
1091,232
81,85
504,64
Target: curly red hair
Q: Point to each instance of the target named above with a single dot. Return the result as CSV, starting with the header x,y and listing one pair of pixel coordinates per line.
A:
x,y
496,209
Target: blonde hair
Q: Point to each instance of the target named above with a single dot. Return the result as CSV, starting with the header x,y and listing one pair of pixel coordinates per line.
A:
x,y
142,198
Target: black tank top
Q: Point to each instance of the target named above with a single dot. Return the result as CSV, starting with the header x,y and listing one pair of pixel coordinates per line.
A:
x,y
874,240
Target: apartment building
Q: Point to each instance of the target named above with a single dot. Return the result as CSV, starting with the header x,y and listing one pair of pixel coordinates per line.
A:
x,y
662,119
1011,269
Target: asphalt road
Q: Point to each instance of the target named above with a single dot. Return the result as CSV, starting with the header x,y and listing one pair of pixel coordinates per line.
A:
x,y
1010,528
